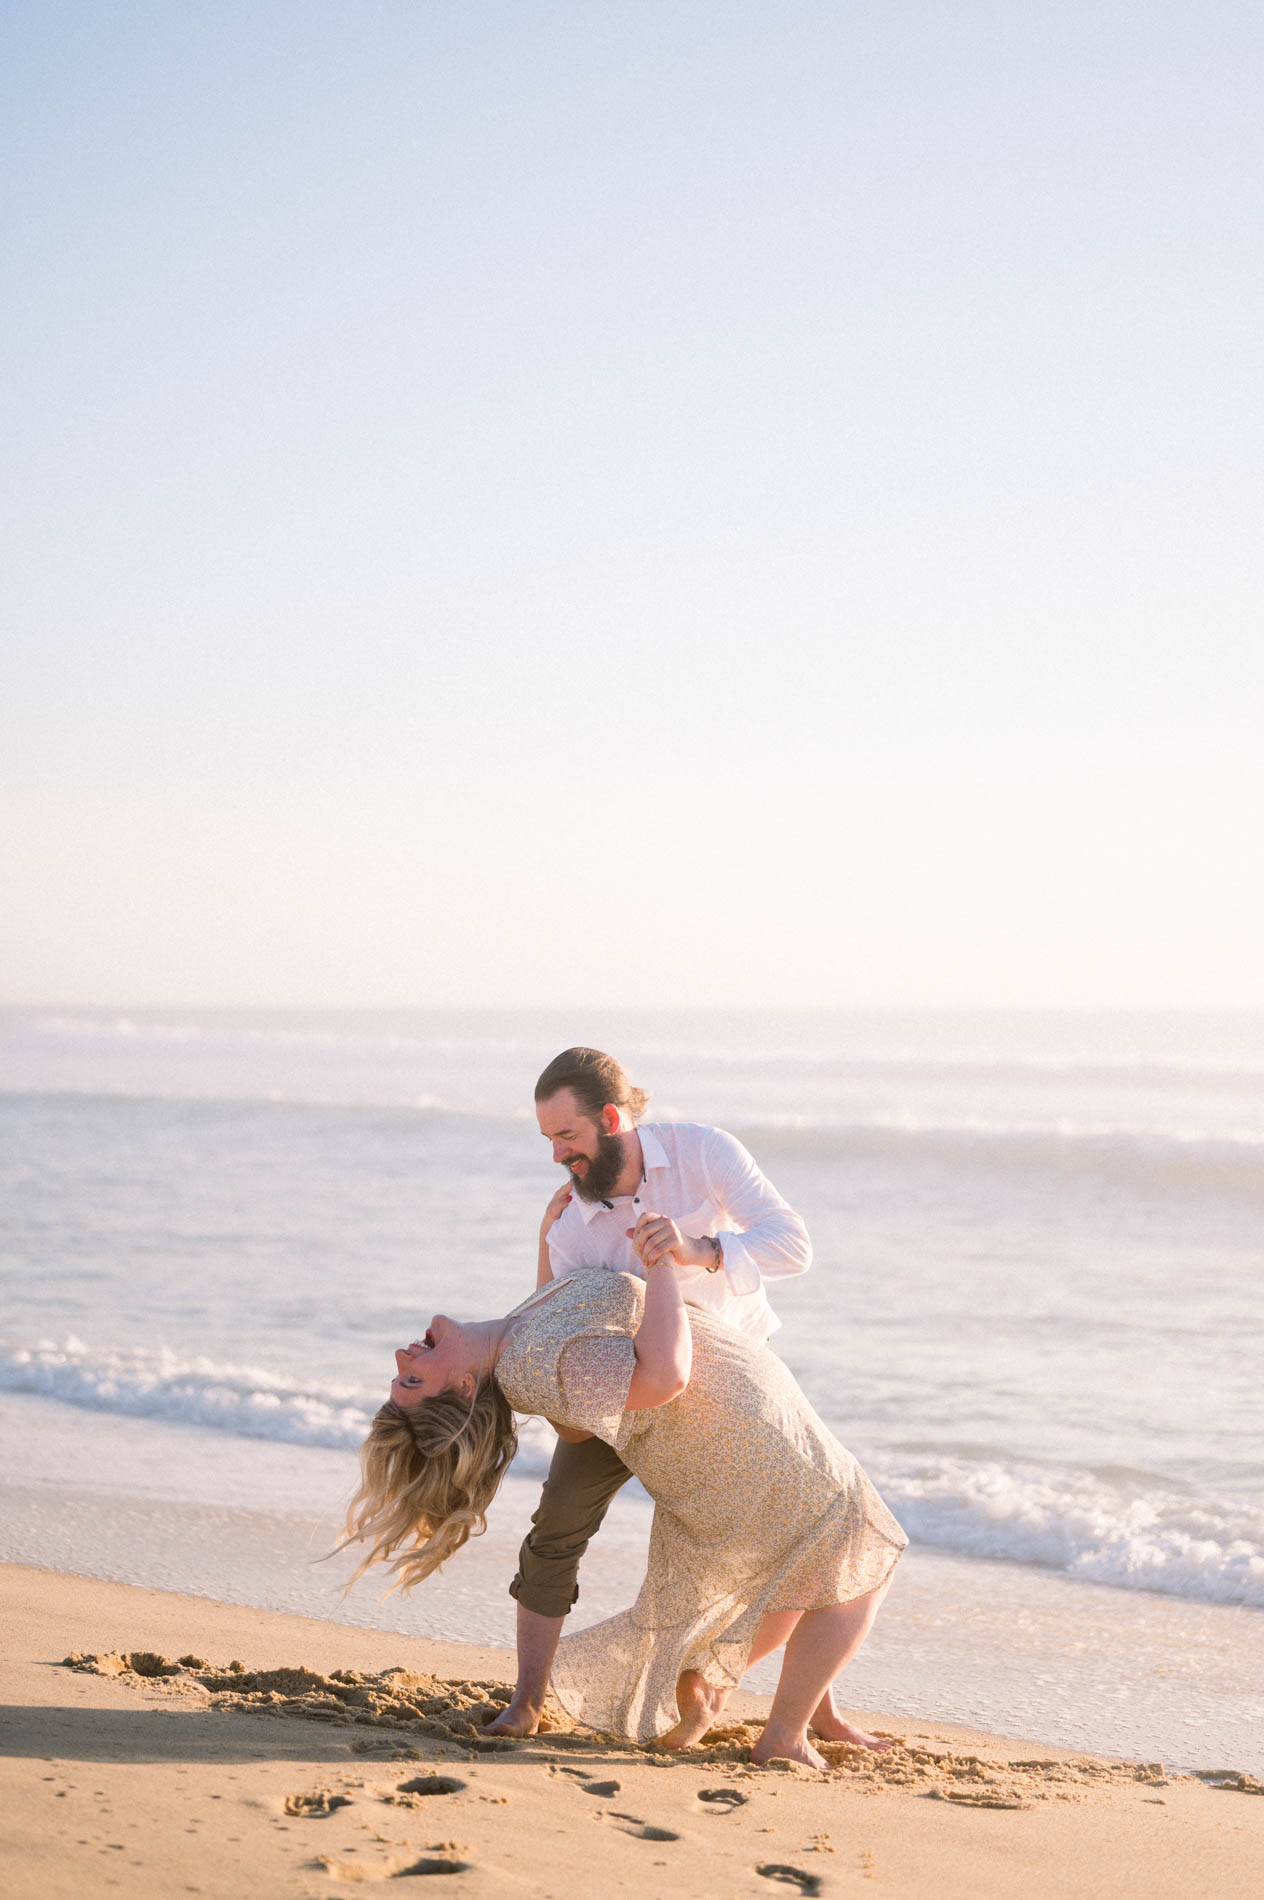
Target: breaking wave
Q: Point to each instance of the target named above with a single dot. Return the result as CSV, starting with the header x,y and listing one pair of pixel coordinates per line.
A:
x,y
1128,1529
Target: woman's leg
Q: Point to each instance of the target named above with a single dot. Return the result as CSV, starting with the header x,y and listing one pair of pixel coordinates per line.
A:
x,y
830,1726
826,1721
822,1643
699,1701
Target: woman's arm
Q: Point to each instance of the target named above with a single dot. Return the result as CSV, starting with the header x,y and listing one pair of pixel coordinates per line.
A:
x,y
552,1213
543,1274
663,1343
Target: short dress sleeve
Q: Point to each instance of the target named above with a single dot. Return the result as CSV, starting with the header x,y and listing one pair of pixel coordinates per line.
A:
x,y
572,1357
593,1376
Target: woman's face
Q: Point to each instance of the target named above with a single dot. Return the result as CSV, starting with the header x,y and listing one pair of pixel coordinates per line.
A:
x,y
431,1365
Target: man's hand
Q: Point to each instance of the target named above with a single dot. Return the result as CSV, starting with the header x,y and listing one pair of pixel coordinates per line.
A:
x,y
657,1238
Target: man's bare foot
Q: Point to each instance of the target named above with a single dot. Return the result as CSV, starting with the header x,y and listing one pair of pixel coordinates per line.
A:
x,y
832,1728
773,1747
699,1704
516,1718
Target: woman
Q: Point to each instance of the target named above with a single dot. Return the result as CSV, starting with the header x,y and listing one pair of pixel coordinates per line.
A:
x,y
765,1530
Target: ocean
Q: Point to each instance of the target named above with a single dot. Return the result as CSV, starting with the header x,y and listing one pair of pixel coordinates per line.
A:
x,y
1034,1313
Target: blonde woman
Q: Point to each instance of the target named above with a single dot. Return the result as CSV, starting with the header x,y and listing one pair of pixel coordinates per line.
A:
x,y
765,1531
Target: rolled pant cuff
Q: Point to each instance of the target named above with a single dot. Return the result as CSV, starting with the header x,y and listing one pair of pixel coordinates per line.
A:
x,y
542,1600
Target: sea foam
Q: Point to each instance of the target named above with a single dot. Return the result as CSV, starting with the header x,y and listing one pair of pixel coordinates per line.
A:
x,y
1132,1530
143,1382
242,1400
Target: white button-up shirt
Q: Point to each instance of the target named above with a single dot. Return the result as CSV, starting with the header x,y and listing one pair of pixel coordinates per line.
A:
x,y
709,1185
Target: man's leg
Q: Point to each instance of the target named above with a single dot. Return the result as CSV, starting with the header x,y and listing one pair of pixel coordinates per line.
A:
x,y
538,1638
577,1492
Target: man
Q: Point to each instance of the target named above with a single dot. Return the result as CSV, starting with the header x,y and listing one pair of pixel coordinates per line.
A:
x,y
639,1191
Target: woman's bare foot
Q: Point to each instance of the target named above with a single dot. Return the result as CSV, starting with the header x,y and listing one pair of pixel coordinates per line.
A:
x,y
830,1727
518,1717
699,1704
774,1747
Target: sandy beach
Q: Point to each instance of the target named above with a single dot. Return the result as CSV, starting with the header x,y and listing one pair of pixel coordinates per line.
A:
x,y
196,1747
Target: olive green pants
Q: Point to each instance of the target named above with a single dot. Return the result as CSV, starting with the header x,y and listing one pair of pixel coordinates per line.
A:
x,y
577,1492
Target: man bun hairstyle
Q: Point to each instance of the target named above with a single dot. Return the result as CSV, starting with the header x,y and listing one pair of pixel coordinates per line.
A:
x,y
596,1079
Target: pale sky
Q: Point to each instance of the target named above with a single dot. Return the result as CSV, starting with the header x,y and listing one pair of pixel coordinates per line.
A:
x,y
643,502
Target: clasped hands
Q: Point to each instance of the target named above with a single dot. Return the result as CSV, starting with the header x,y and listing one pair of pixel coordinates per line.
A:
x,y
659,1241
656,1237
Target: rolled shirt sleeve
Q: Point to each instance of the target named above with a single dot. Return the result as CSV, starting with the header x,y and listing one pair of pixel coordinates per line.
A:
x,y
771,1242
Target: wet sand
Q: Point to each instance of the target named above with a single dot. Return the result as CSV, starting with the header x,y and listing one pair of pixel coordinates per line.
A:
x,y
157,1745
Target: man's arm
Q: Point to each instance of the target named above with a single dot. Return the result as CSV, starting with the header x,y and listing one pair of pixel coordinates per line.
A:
x,y
771,1242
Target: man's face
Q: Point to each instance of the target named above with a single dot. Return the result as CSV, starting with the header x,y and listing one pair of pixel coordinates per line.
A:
x,y
593,1156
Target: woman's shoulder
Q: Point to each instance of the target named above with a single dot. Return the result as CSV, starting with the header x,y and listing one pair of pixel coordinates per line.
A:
x,y
593,1298
587,1304
590,1300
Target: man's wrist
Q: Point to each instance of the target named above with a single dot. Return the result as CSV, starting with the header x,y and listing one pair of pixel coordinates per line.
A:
x,y
712,1254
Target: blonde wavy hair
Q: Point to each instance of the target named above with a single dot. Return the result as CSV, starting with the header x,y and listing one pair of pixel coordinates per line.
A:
x,y
427,1477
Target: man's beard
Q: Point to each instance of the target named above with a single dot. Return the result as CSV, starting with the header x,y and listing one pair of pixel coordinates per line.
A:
x,y
603,1169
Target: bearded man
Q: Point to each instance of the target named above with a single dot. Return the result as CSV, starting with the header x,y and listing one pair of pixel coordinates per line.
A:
x,y
637,1191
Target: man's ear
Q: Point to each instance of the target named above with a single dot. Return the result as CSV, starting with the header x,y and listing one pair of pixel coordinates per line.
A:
x,y
610,1119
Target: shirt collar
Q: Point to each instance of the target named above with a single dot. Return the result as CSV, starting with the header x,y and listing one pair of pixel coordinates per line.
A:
x,y
653,1155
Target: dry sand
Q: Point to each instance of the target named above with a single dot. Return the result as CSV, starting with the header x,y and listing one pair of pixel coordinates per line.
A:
x,y
196,1748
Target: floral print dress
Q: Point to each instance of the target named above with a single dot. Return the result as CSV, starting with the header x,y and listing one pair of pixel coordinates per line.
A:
x,y
757,1505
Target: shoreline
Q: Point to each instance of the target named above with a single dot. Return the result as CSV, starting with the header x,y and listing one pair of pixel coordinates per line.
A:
x,y
153,1786
999,1647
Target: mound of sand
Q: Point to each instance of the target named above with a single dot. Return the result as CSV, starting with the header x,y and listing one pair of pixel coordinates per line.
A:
x,y
409,1704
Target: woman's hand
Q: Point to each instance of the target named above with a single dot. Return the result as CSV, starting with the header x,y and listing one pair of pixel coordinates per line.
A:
x,y
553,1212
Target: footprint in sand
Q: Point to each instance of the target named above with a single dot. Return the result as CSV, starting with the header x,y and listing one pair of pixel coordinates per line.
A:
x,y
313,1806
411,1794
604,1790
432,1784
722,1800
978,1798
793,1876
352,1871
641,1830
